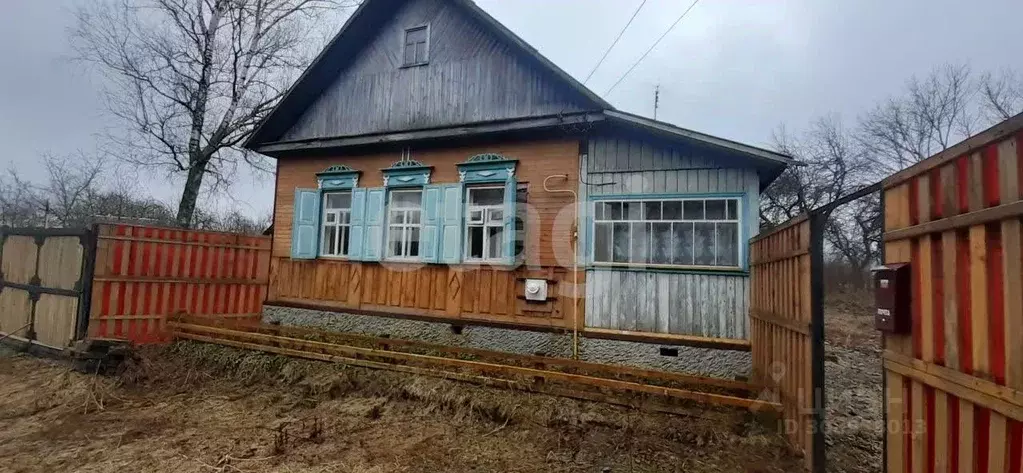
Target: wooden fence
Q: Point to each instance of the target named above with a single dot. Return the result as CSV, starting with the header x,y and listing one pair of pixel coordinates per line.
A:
x,y
43,274
780,325
954,386
145,274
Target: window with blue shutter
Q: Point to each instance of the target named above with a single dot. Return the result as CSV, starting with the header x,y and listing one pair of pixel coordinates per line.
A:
x,y
305,226
433,197
404,229
335,234
373,240
490,228
358,226
509,221
451,224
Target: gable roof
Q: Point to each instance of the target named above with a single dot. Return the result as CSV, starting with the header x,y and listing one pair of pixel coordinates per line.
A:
x,y
358,29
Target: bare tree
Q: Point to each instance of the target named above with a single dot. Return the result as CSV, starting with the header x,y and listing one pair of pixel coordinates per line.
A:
x,y
231,221
120,205
190,79
19,202
933,114
73,182
1002,94
832,165
853,233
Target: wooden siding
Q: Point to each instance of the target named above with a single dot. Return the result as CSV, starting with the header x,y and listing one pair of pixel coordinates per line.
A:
x,y
697,304
472,76
451,292
955,383
537,160
440,291
705,305
780,326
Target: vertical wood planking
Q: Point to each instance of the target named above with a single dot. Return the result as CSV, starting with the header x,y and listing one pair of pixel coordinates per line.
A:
x,y
969,287
895,432
145,274
978,299
939,434
780,290
1010,161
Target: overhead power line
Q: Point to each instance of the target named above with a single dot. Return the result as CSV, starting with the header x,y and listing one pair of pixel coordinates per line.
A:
x,y
641,58
609,48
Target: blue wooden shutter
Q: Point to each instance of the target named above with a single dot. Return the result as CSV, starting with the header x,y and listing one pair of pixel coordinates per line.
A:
x,y
451,224
373,241
429,243
305,226
357,230
509,221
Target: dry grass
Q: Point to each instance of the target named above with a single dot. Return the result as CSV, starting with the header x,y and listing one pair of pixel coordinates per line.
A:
x,y
194,407
849,320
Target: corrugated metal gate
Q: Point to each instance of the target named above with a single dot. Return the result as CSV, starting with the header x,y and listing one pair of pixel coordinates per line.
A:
x,y
43,276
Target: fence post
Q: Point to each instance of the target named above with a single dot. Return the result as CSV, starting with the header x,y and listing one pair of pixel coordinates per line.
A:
x,y
88,241
817,222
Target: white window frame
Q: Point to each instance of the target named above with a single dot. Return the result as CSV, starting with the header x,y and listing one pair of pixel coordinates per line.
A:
x,y
484,223
405,227
739,220
342,220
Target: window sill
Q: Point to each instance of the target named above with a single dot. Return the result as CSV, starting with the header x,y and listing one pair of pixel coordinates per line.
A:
x,y
663,268
496,262
402,260
333,257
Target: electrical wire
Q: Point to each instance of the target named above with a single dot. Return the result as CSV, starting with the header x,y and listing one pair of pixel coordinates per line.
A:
x,y
641,58
609,48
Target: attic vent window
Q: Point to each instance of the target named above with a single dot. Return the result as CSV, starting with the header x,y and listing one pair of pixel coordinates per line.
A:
x,y
417,45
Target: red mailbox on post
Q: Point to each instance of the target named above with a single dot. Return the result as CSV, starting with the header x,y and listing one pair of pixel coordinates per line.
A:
x,y
893,297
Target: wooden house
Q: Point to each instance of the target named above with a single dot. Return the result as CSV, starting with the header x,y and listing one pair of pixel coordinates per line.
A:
x,y
433,167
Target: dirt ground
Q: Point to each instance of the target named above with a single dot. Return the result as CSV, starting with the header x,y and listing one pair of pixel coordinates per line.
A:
x,y
201,408
853,384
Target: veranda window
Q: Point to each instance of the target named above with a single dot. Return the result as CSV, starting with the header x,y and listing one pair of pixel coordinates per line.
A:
x,y
667,232
336,223
404,223
484,224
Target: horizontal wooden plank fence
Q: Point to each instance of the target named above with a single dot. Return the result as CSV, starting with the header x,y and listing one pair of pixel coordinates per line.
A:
x,y
780,325
145,274
954,392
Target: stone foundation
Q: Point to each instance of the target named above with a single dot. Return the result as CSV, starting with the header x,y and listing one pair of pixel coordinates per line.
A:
x,y
703,361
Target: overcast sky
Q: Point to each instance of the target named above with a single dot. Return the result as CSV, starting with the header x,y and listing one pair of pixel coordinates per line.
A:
x,y
733,68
